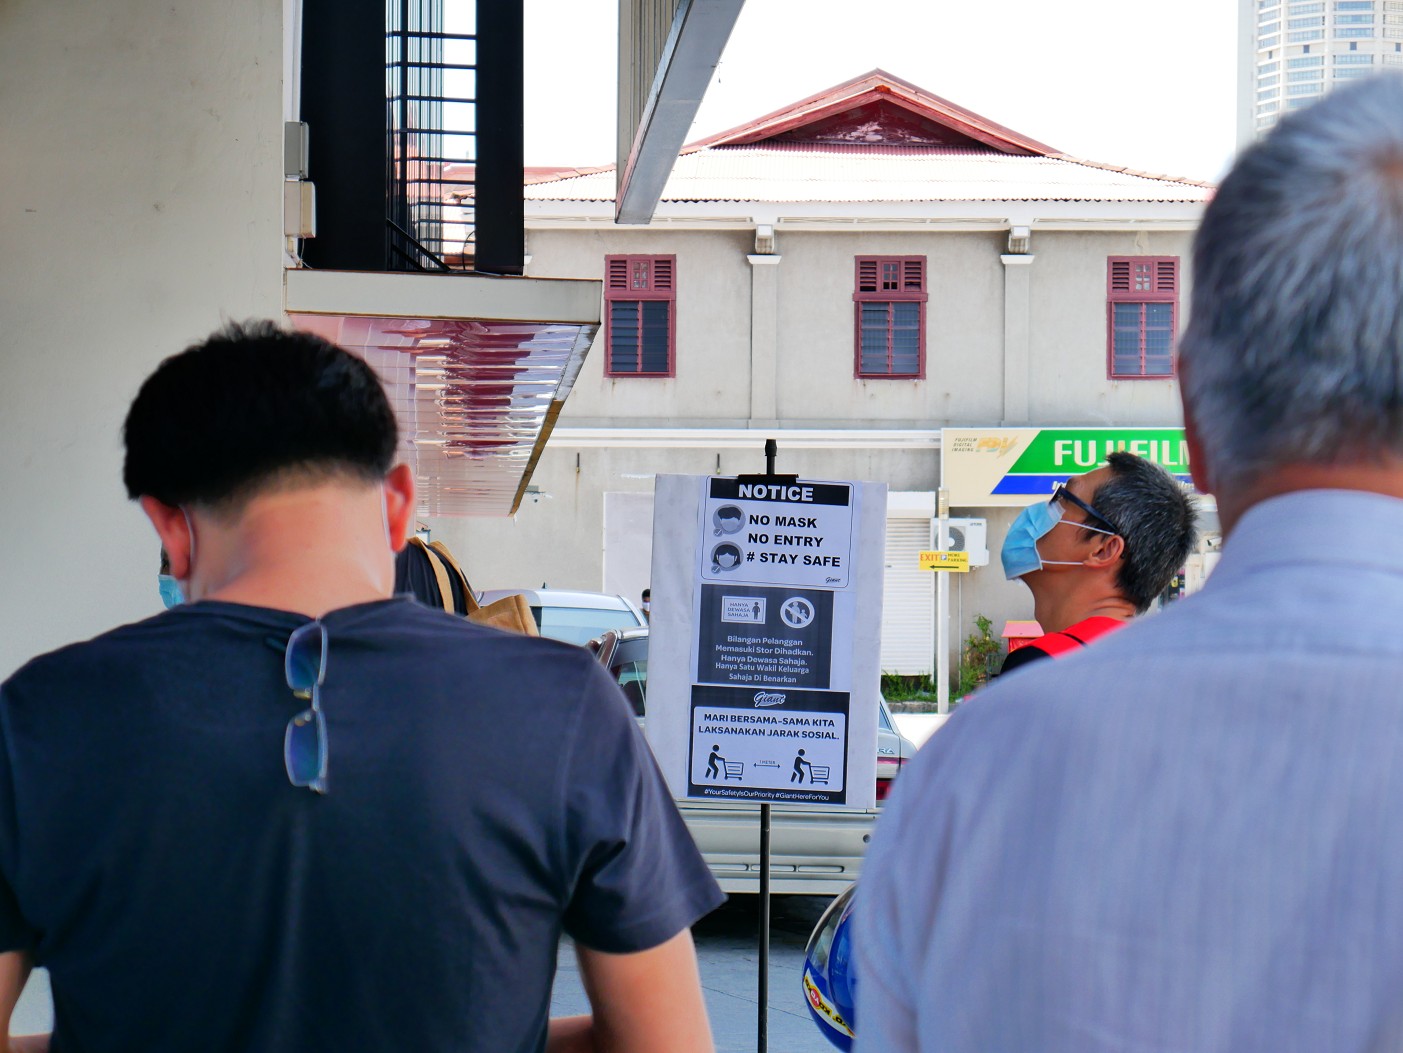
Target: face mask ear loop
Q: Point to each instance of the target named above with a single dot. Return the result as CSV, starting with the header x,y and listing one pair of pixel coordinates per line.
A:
x,y
1077,562
190,557
385,517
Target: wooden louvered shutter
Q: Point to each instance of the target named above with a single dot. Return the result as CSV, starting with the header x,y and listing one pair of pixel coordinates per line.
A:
x,y
1166,276
1142,278
640,322
616,272
867,274
890,308
1142,316
913,274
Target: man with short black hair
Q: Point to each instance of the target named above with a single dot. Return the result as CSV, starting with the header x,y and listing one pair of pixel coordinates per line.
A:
x,y
1128,529
1189,837
297,813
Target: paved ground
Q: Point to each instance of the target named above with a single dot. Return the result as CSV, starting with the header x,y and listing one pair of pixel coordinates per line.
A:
x,y
726,948
727,952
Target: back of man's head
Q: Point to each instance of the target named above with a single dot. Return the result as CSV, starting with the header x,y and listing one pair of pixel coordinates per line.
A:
x,y
1155,519
1294,347
252,408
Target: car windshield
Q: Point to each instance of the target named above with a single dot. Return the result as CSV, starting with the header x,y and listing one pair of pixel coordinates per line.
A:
x,y
580,625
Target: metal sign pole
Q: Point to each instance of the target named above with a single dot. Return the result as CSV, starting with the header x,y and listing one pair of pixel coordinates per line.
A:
x,y
762,1022
785,488
942,611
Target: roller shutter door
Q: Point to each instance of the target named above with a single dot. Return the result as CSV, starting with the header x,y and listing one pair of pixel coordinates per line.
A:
x,y
908,605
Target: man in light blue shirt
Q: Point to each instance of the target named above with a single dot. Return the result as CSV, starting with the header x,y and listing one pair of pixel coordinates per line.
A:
x,y
1190,837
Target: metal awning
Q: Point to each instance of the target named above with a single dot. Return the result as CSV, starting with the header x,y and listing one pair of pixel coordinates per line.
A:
x,y
668,51
477,369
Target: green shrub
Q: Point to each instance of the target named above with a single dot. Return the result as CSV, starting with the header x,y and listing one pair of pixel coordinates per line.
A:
x,y
979,657
898,688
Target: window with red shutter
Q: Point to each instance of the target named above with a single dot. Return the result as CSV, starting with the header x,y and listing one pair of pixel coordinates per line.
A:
x,y
1142,316
889,302
640,319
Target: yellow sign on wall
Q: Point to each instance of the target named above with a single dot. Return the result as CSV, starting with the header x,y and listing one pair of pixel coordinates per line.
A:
x,y
953,561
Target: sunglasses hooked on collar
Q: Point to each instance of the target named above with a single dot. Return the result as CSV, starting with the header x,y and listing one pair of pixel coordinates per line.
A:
x,y
304,743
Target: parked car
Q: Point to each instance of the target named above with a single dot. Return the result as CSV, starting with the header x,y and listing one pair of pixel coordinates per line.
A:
x,y
814,849
575,617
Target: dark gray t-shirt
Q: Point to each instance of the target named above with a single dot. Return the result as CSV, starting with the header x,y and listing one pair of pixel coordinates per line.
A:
x,y
486,793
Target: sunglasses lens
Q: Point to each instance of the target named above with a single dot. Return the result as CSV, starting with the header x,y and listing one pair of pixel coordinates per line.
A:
x,y
305,661
304,749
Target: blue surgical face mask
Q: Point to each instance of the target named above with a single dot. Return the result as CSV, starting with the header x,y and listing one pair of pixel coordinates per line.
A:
x,y
1020,550
172,595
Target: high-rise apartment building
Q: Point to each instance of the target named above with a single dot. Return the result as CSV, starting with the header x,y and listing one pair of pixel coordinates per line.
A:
x,y
1294,52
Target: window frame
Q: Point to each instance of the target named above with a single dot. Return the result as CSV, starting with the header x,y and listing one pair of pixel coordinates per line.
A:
x,y
901,294
618,286
1164,289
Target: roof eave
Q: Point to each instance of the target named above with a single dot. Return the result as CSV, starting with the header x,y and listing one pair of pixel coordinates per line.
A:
x,y
990,214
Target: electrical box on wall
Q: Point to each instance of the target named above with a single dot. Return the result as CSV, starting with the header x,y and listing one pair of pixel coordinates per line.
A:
x,y
299,209
970,535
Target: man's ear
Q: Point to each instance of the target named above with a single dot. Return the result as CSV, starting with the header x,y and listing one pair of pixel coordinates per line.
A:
x,y
1198,467
174,531
399,504
1106,550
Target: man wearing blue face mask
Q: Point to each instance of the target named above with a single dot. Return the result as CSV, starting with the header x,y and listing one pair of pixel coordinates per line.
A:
x,y
1098,553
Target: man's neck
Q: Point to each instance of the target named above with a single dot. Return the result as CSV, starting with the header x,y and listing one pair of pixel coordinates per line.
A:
x,y
1384,477
1055,610
309,550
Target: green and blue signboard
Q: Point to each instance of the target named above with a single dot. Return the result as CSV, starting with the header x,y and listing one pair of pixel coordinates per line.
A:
x,y
991,467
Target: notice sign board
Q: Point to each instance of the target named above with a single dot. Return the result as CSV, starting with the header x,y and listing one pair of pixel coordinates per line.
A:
x,y
785,535
795,751
767,711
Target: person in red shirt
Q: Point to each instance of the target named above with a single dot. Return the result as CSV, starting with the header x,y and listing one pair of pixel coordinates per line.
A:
x,y
1098,553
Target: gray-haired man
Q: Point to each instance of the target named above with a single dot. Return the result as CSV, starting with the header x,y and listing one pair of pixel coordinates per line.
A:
x,y
1191,837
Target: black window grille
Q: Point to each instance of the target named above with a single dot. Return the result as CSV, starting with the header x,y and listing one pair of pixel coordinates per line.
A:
x,y
431,124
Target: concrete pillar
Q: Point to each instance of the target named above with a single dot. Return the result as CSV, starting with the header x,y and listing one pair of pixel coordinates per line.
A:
x,y
1017,336
764,338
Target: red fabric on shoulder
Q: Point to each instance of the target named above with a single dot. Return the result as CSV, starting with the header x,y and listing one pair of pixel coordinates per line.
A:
x,y
1075,637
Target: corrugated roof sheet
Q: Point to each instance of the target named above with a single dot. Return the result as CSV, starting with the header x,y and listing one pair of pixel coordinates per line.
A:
x,y
473,399
882,174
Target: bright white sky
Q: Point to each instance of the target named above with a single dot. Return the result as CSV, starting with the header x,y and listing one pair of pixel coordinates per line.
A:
x,y
1148,84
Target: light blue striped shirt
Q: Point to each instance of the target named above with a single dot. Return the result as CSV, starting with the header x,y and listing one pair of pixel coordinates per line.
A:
x,y
1188,837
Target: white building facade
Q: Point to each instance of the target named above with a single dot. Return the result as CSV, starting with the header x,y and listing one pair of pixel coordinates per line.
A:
x,y
849,276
